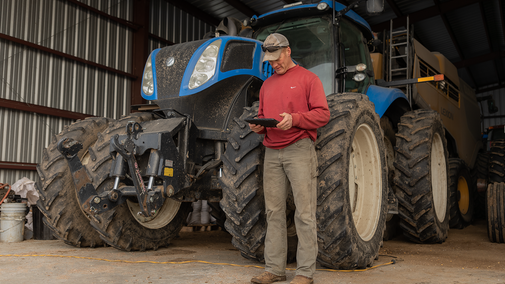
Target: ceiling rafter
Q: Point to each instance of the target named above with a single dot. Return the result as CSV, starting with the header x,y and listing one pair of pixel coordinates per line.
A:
x,y
242,8
425,14
453,39
488,38
194,11
479,59
395,8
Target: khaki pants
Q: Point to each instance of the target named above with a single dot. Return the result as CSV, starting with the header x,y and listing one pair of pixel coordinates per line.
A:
x,y
294,165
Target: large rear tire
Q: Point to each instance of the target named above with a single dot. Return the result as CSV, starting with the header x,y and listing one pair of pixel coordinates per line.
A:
x,y
56,188
242,182
352,184
421,177
121,227
496,212
462,194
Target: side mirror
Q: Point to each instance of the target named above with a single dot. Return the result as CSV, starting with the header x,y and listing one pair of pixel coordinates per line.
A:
x,y
374,7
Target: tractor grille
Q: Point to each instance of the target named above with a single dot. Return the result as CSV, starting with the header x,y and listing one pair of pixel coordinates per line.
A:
x,y
238,55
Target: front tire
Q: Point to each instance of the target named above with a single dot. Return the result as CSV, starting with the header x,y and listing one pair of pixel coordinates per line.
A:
x,y
242,182
421,177
352,184
58,201
121,227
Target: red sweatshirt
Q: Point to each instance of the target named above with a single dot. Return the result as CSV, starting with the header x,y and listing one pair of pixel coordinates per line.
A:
x,y
300,93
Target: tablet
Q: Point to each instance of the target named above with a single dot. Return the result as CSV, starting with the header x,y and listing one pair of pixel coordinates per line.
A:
x,y
267,122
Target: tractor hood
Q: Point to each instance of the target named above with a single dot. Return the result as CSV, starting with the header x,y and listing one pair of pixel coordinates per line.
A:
x,y
188,68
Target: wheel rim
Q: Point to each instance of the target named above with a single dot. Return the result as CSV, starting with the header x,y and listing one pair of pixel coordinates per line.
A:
x,y
164,216
365,182
439,177
464,195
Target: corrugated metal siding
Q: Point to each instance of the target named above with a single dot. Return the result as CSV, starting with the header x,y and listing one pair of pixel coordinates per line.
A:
x,y
32,76
11,176
23,137
436,39
499,98
217,8
36,77
469,31
173,24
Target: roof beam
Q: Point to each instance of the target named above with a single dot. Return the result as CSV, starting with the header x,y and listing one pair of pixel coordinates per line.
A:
x,y
395,8
67,56
453,39
18,166
194,11
425,14
489,42
243,8
103,14
479,59
10,104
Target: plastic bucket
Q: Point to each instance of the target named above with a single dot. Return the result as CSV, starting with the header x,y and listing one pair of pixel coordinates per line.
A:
x,y
12,222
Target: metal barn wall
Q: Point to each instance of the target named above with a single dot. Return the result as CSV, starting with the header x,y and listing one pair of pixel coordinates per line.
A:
x,y
490,119
32,76
172,24
24,136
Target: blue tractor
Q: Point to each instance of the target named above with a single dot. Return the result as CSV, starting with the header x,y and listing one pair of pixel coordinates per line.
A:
x,y
134,179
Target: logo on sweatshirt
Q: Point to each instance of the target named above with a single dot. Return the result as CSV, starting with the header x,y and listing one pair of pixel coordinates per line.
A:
x,y
293,87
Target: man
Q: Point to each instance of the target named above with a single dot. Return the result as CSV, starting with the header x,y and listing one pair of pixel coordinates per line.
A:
x,y
295,96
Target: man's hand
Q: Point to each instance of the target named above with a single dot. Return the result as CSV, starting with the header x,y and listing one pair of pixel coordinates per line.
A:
x,y
287,121
255,127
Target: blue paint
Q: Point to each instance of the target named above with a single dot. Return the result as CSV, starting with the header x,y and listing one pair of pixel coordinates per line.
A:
x,y
154,96
383,97
351,14
257,68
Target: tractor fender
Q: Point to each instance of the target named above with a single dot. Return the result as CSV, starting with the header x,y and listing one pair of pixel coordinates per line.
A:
x,y
384,97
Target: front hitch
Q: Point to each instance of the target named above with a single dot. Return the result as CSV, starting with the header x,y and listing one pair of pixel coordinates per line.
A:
x,y
150,201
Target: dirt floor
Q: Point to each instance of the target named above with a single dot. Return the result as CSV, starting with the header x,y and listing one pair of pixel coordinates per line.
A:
x,y
466,257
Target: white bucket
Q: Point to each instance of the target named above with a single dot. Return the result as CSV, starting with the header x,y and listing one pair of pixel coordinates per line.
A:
x,y
12,222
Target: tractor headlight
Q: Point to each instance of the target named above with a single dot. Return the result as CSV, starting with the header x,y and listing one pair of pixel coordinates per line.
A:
x,y
358,77
322,6
148,78
206,65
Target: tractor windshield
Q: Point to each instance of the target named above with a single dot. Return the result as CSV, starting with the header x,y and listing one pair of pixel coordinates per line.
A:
x,y
310,40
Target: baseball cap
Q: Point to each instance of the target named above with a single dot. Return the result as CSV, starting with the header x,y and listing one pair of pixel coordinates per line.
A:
x,y
272,46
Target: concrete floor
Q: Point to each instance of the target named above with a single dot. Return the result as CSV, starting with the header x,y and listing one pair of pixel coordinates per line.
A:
x,y
466,257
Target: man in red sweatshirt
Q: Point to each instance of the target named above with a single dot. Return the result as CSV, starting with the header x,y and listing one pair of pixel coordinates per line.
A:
x,y
295,96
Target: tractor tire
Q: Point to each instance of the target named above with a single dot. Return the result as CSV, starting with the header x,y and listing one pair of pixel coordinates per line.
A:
x,y
242,182
481,169
421,177
58,200
496,212
121,227
462,194
497,162
352,184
